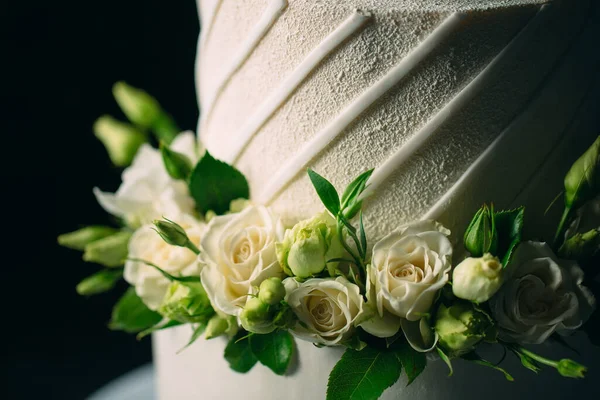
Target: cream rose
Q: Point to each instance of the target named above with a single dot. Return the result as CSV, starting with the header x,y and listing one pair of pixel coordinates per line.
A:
x,y
145,244
147,191
541,295
328,309
408,268
237,253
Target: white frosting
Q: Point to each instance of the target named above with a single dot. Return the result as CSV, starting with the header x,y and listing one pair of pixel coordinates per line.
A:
x,y
454,102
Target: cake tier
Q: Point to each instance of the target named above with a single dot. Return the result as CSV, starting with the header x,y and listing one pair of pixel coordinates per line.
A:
x,y
451,104
201,372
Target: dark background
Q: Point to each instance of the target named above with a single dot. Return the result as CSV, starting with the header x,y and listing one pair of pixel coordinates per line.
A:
x,y
59,60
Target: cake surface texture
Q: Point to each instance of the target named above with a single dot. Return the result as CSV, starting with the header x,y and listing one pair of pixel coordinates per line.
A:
x,y
453,102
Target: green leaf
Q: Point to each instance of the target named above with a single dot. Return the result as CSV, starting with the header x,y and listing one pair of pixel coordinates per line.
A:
x,y
446,359
354,189
412,361
273,350
214,184
239,355
526,361
363,237
178,165
509,225
474,357
326,192
582,182
363,375
131,315
158,327
99,282
198,331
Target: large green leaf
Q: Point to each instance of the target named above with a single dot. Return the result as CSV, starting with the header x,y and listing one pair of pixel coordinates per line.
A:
x,y
239,355
273,350
412,361
326,192
509,225
214,184
363,375
131,315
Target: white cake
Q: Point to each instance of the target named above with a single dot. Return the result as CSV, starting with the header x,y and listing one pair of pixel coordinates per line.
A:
x,y
453,102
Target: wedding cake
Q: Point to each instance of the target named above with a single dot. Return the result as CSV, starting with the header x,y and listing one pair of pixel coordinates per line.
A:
x,y
453,102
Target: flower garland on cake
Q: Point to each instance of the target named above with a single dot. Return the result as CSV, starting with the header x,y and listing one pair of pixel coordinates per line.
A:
x,y
229,267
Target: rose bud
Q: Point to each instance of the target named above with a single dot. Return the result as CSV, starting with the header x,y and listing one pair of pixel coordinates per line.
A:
x,y
481,237
78,239
221,325
308,246
271,291
121,140
186,302
255,317
477,279
110,251
460,327
174,234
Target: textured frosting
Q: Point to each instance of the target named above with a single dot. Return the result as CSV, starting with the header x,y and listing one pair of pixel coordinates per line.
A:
x,y
453,103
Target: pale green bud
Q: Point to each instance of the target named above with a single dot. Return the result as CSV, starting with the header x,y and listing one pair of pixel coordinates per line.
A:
x,y
238,205
308,246
256,310
210,214
137,105
110,251
460,327
571,369
178,166
100,282
221,325
171,232
186,302
80,238
121,140
477,279
271,291
481,236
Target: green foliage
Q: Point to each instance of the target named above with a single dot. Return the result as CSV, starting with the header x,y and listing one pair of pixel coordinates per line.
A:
x,y
239,355
131,315
273,350
412,361
481,236
509,225
326,192
214,184
363,374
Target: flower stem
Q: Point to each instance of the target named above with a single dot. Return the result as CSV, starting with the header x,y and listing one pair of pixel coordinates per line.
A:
x,y
561,227
536,357
192,247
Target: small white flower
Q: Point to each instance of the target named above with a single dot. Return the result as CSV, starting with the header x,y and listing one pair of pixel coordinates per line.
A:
x,y
477,279
408,268
147,191
542,295
237,253
145,244
327,309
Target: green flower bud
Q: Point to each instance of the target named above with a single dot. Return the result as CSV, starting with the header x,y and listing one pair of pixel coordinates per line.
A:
x,y
581,246
481,236
210,214
78,239
238,205
144,111
256,310
477,279
121,140
271,291
178,166
137,105
221,325
308,246
186,303
174,234
460,327
571,369
100,282
110,251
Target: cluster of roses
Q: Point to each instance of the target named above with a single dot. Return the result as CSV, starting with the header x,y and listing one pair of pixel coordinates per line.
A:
x,y
317,279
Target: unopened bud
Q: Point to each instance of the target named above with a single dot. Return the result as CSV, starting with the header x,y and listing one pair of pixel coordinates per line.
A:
x,y
178,166
121,140
78,239
110,251
271,291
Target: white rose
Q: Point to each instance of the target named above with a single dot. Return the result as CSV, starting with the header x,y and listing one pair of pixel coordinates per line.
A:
x,y
328,309
145,244
147,191
408,268
237,253
541,295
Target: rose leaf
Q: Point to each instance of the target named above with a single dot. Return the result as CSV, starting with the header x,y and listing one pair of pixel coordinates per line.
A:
x,y
509,226
326,192
274,350
239,355
131,315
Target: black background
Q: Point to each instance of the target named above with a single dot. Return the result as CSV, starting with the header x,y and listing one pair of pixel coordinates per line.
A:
x,y
58,61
